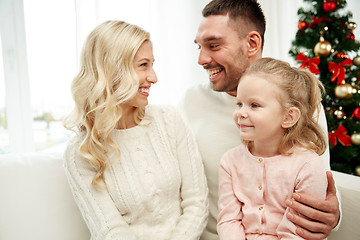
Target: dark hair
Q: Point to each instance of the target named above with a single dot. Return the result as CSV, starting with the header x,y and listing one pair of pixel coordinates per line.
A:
x,y
248,10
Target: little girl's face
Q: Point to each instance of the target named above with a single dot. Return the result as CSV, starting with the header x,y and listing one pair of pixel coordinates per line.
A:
x,y
259,114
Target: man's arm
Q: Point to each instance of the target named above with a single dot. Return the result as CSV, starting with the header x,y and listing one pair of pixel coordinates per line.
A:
x,y
323,215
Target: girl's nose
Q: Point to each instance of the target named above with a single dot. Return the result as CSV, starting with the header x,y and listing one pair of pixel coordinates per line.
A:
x,y
240,113
243,114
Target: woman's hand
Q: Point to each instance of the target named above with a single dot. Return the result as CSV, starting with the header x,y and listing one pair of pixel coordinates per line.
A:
x,y
323,215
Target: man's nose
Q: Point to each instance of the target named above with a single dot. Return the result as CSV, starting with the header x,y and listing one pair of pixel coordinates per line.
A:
x,y
204,58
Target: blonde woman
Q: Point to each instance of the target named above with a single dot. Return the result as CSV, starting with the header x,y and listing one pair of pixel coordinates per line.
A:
x,y
134,170
279,157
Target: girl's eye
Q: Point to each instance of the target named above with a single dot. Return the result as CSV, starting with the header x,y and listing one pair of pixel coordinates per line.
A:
x,y
143,64
255,105
239,104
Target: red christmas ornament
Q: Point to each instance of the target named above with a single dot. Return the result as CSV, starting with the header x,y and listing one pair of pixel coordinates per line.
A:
x,y
351,36
329,6
302,25
316,20
356,113
339,135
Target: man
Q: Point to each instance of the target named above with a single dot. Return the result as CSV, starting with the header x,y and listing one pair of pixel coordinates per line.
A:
x,y
230,38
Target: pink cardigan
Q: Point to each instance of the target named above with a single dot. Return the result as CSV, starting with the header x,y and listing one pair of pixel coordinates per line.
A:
x,y
253,190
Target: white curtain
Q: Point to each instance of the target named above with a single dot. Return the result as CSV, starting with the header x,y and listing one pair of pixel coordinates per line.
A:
x,y
282,21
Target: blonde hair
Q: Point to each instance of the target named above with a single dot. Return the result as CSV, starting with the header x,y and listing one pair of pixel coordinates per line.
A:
x,y
105,81
303,91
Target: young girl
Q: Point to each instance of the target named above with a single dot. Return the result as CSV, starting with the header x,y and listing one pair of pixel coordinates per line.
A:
x,y
280,154
134,170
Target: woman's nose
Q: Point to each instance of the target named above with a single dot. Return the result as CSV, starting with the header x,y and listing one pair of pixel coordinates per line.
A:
x,y
152,77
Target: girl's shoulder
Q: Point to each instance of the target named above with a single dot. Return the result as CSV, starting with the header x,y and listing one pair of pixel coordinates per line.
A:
x,y
303,152
309,158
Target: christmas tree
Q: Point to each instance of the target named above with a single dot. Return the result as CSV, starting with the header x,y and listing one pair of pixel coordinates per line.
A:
x,y
326,45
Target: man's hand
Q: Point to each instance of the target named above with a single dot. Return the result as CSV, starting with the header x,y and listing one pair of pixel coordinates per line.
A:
x,y
323,215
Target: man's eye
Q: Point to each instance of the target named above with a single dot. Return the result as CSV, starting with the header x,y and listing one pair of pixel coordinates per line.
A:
x,y
212,46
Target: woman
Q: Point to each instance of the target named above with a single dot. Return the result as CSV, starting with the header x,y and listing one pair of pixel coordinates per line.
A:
x,y
134,170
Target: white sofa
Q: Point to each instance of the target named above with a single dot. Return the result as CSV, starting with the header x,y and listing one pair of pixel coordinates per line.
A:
x,y
35,199
36,202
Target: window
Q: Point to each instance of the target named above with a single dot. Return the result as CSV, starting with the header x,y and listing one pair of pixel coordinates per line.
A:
x,y
51,51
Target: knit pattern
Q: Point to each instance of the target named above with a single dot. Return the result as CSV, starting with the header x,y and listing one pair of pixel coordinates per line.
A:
x,y
155,190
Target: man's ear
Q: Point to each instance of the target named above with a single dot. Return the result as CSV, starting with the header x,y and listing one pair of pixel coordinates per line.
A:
x,y
291,117
254,43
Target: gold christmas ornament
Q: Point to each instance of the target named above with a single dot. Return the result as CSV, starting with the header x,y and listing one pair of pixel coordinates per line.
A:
x,y
322,48
351,25
343,90
357,170
355,138
356,60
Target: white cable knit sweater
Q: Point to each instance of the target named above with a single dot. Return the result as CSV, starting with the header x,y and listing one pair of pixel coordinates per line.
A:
x,y
156,190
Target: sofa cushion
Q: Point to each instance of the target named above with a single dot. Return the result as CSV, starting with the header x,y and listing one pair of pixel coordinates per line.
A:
x,y
35,199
